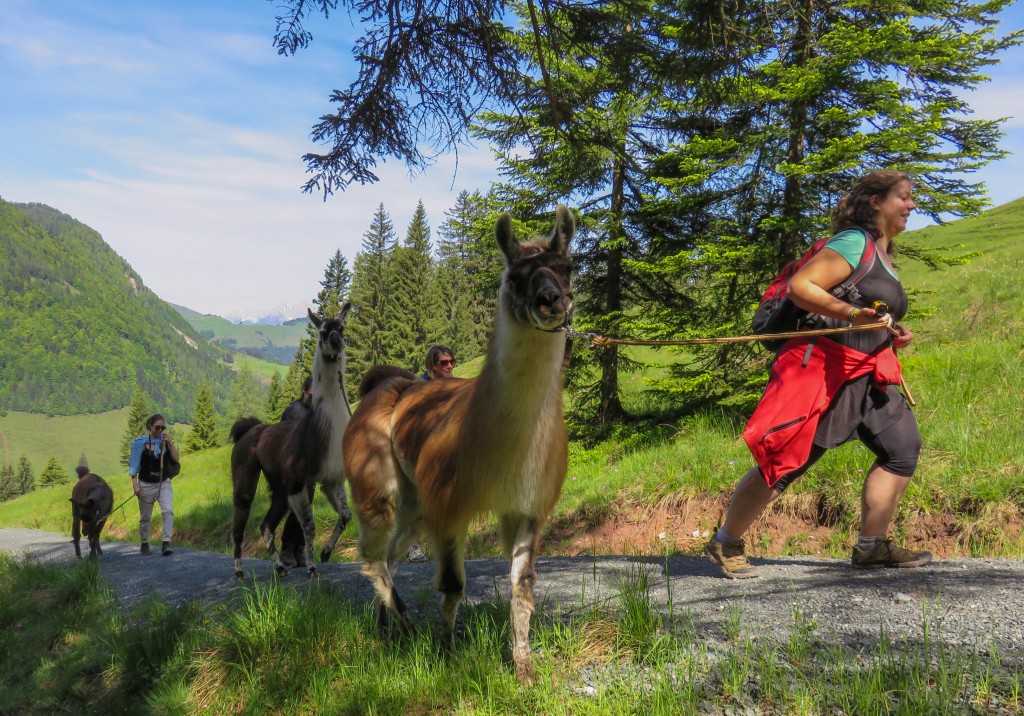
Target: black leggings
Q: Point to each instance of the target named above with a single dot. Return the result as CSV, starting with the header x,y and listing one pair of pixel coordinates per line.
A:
x,y
896,449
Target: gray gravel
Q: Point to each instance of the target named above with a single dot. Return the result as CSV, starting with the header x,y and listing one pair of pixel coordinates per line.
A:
x,y
972,603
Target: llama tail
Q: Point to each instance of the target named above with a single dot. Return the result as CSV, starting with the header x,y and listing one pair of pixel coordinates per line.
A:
x,y
378,374
241,427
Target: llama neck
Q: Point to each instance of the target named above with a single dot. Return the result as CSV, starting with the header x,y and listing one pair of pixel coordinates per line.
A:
x,y
328,388
523,371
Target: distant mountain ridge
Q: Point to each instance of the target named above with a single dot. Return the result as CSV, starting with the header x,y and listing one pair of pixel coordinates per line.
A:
x,y
276,343
79,328
276,316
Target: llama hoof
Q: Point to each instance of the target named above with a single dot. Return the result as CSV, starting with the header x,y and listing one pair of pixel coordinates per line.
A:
x,y
312,573
524,673
324,556
283,571
240,576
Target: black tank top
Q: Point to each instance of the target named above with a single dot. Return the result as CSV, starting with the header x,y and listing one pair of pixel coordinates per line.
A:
x,y
877,285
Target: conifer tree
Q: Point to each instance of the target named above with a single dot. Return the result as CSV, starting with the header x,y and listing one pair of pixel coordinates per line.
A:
x,y
369,340
703,143
335,286
138,413
203,432
53,474
296,375
276,400
246,399
334,292
25,480
7,487
468,274
415,316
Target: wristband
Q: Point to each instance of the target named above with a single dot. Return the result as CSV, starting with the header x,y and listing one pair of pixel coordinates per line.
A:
x,y
852,316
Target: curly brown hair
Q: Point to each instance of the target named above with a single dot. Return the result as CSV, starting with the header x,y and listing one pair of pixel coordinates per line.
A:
x,y
855,208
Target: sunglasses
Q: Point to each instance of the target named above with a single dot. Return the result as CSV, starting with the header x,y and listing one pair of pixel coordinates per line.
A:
x,y
446,362
159,427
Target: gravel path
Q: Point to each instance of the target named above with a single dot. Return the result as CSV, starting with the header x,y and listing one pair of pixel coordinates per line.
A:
x,y
972,603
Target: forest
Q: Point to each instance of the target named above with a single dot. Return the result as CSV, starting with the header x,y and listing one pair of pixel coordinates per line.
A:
x,y
79,328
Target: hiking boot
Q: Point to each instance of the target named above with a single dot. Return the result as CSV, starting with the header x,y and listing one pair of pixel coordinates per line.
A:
x,y
144,548
166,550
416,554
731,558
888,554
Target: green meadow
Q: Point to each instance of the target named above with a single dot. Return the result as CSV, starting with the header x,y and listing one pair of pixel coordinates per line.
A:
x,y
40,437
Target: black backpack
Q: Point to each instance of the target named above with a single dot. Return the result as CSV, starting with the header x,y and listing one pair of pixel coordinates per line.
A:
x,y
777,314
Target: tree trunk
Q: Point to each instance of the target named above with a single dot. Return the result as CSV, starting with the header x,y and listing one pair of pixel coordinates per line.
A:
x,y
792,199
611,407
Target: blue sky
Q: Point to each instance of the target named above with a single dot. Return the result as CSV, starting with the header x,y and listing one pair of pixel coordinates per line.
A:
x,y
176,130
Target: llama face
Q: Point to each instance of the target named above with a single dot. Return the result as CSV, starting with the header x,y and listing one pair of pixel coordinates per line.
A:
x,y
331,333
536,286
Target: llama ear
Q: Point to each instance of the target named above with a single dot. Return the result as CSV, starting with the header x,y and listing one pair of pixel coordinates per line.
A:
x,y
506,238
317,321
344,311
565,227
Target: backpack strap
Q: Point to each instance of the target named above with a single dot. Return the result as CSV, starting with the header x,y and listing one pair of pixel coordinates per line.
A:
x,y
867,259
867,262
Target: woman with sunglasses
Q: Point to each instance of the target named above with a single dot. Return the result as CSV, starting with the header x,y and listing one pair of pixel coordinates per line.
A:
x,y
149,481
440,362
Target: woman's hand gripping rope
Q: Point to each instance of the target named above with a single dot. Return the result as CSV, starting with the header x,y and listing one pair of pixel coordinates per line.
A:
x,y
902,337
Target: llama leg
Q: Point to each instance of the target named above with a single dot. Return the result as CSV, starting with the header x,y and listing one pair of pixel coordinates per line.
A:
x,y
407,523
451,582
245,482
76,531
299,503
522,534
268,528
335,494
374,536
96,534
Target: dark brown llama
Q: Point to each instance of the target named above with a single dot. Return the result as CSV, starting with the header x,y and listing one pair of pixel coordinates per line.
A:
x,y
91,503
293,454
431,455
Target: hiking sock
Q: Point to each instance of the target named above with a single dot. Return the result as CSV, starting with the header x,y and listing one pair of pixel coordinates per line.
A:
x,y
866,544
725,538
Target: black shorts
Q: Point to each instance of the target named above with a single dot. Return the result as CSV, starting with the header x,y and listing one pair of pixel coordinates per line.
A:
x,y
896,445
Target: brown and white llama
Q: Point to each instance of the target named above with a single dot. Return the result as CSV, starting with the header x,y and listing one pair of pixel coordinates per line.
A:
x,y
296,453
431,455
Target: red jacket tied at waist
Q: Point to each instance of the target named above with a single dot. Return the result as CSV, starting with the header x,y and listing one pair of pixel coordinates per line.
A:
x,y
781,430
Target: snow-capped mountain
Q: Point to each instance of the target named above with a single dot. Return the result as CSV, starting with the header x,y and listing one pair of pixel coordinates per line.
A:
x,y
271,316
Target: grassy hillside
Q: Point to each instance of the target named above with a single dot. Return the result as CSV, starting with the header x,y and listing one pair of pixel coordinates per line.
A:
x,y
662,487
39,437
272,343
263,369
79,329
